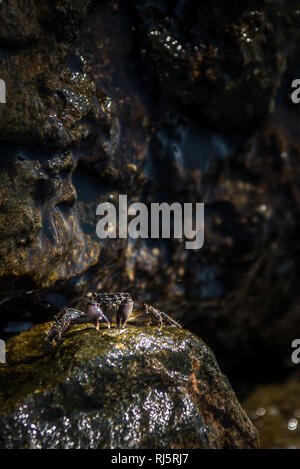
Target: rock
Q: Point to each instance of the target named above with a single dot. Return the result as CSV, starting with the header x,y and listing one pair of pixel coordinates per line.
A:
x,y
41,238
35,42
179,123
52,106
211,59
135,388
275,411
215,137
49,95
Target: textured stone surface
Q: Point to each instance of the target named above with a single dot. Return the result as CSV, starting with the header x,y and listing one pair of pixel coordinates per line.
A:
x,y
135,388
47,101
219,61
189,103
36,39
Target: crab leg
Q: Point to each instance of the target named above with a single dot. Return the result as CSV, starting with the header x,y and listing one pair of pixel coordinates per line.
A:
x,y
70,316
63,321
124,311
96,314
160,316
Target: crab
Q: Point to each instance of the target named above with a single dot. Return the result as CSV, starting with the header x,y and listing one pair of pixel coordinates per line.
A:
x,y
94,314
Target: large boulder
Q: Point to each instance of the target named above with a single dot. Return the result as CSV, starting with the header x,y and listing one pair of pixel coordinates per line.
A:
x,y
135,388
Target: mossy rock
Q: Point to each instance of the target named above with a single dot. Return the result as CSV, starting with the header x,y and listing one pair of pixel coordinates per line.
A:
x,y
134,388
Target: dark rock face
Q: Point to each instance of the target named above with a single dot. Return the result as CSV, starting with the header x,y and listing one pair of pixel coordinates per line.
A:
x,y
135,388
211,59
41,238
163,101
217,127
35,41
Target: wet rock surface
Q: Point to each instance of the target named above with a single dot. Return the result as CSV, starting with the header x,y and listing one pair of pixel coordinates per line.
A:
x,y
211,59
35,42
164,102
48,99
135,388
241,160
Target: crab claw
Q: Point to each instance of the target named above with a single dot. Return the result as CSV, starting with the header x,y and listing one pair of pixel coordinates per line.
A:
x,y
124,312
96,314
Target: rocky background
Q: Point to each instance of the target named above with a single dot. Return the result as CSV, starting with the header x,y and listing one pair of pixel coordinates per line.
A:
x,y
164,101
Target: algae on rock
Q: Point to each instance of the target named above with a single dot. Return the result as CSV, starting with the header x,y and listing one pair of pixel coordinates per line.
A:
x,y
134,388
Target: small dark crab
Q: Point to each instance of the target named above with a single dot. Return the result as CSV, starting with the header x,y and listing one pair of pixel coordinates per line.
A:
x,y
94,314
